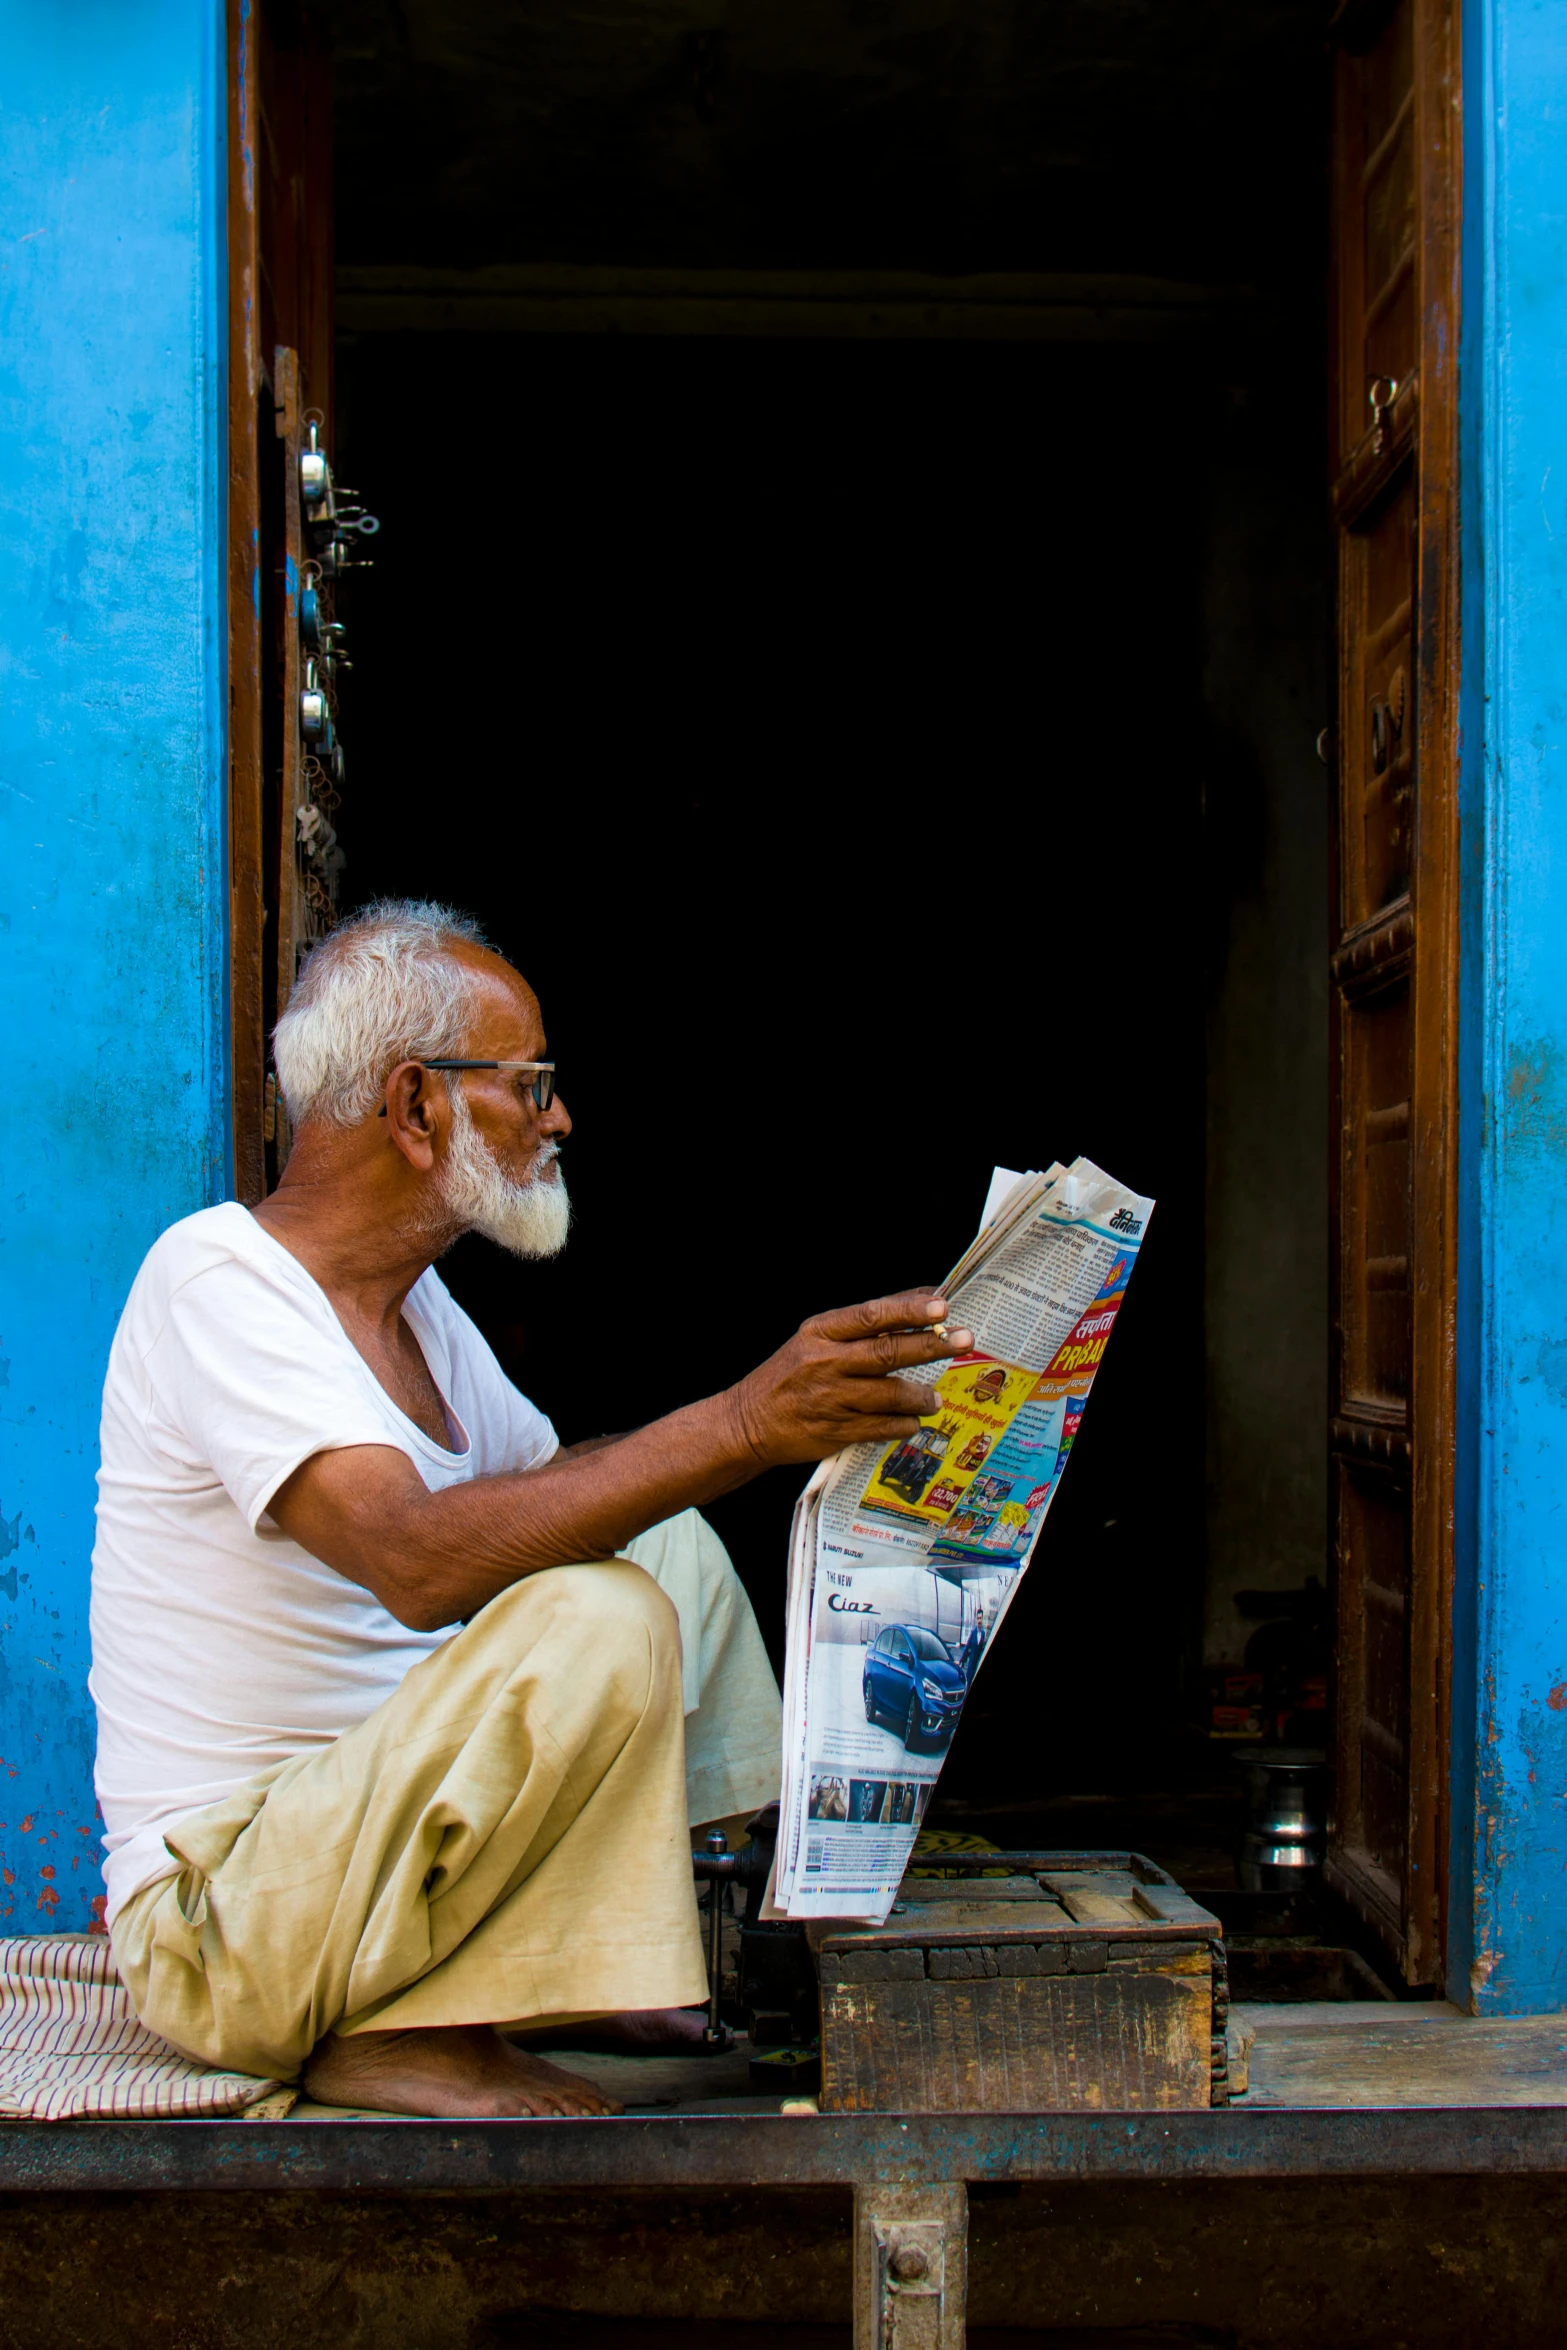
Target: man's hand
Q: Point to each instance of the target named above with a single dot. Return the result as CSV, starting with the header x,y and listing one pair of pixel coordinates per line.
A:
x,y
834,1383
436,1558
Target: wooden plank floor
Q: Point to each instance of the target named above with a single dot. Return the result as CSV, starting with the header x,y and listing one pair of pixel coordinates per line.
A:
x,y
1304,2054
1351,2053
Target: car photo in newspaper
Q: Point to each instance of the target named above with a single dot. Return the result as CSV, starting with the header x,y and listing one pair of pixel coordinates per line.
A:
x,y
904,1558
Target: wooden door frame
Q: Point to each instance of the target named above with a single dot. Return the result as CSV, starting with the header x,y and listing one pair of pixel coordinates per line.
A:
x,y
1436,1042
247,1012
1422,424
280,297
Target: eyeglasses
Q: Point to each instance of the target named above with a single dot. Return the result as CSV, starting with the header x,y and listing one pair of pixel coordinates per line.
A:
x,y
542,1088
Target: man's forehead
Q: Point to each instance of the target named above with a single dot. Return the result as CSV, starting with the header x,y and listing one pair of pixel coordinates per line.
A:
x,y
506,1003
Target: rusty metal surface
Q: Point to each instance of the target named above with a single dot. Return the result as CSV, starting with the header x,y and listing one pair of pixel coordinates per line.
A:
x,y
681,2152
1268,2264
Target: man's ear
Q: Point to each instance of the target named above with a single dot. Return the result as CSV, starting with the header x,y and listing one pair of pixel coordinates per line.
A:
x,y
413,1109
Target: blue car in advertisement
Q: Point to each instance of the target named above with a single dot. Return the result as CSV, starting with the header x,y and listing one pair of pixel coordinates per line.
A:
x,y
912,1685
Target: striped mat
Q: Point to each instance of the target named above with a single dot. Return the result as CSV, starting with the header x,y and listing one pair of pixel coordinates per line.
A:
x,y
71,2048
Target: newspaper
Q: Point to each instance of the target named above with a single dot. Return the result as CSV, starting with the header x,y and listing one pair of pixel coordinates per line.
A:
x,y
904,1558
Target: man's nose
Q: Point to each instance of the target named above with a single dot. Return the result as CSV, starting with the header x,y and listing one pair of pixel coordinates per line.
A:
x,y
556,1120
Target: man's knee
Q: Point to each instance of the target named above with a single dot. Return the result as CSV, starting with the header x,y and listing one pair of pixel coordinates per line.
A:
x,y
619,1595
613,1613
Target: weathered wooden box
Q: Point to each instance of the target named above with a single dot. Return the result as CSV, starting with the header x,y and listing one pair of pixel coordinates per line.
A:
x,y
1076,1982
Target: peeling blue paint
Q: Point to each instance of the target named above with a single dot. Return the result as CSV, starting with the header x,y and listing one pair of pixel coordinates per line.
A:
x,y
1536,1114
112,947
1508,1912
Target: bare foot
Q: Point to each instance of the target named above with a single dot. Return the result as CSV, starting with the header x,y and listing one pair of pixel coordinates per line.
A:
x,y
641,2031
463,2069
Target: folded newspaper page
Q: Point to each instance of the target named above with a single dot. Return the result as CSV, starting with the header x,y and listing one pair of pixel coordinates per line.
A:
x,y
904,1558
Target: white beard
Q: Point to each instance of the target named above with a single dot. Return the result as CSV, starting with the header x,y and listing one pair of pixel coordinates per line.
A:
x,y
529,1219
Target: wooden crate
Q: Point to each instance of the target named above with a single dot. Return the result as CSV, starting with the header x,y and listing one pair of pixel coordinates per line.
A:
x,y
1077,1982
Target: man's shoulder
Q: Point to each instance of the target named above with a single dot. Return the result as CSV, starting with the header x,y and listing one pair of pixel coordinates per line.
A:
x,y
224,1235
195,1247
199,1248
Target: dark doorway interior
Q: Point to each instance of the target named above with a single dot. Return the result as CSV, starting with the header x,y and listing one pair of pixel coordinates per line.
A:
x,y
887,757
819,727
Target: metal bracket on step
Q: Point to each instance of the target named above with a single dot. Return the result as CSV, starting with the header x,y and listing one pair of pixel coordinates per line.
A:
x,y
910,2267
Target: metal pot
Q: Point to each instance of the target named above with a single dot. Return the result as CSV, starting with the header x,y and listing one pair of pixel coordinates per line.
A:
x,y
1286,1837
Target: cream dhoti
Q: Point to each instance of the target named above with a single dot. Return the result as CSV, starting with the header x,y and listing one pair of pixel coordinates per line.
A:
x,y
504,1839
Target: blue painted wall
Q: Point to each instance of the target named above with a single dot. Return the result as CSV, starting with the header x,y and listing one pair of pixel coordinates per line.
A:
x,y
1508,1942
112,786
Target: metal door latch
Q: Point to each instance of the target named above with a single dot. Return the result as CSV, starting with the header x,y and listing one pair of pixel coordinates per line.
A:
x,y
317,633
1382,394
315,719
315,474
332,524
911,2267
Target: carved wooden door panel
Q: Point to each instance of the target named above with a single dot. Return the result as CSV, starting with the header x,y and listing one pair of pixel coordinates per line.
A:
x,y
1394,961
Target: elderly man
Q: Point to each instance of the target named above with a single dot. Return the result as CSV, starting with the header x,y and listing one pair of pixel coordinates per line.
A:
x,y
404,1709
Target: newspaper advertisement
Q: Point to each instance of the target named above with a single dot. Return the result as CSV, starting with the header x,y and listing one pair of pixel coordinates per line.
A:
x,y
904,1558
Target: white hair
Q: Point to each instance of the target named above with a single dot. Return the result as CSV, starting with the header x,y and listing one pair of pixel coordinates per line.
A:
x,y
382,988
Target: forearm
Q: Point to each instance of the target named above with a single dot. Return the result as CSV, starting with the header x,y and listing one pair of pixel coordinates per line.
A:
x,y
437,1558
587,1504
434,1558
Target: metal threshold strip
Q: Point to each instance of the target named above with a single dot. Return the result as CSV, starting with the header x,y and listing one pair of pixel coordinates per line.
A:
x,y
680,2152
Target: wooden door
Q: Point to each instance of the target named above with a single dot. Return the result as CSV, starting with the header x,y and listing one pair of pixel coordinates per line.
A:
x,y
280,366
1394,961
